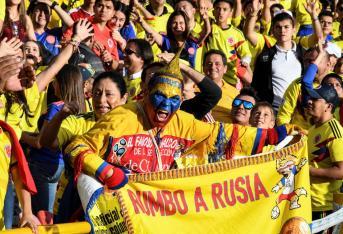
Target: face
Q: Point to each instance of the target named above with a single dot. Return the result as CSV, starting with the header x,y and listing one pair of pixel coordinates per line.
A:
x,y
240,114
31,50
337,85
178,25
157,2
163,101
149,73
131,57
118,20
316,108
88,86
326,23
106,96
40,15
187,8
222,11
262,117
214,67
104,10
283,31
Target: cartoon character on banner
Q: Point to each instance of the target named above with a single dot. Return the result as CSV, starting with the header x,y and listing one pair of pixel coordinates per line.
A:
x,y
286,166
116,150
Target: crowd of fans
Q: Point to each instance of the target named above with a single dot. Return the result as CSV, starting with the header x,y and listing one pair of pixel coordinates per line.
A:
x,y
251,65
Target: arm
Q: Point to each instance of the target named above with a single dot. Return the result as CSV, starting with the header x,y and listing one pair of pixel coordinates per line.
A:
x,y
146,14
25,201
237,9
266,15
149,30
83,30
249,25
332,173
64,16
318,32
49,131
29,28
206,30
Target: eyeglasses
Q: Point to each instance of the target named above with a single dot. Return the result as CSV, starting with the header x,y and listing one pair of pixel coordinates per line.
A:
x,y
246,104
129,51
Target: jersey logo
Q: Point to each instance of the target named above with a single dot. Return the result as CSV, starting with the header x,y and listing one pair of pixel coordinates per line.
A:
x,y
50,39
322,153
230,40
191,51
317,139
110,43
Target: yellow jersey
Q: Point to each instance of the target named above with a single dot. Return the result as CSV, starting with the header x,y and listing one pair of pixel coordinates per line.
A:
x,y
290,110
325,147
303,18
14,116
2,10
133,86
222,111
136,148
234,45
335,29
6,159
74,125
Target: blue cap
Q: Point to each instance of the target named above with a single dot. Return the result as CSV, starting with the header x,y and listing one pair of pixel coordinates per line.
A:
x,y
326,92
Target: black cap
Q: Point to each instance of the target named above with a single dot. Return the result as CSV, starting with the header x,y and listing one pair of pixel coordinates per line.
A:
x,y
326,92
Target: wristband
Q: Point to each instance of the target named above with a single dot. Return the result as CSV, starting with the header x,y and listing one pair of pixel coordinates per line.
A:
x,y
117,180
53,5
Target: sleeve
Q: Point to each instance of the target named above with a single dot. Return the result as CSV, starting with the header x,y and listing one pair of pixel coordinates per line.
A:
x,y
202,103
307,83
307,41
128,32
244,51
236,21
53,109
114,51
289,104
85,150
336,150
165,43
66,131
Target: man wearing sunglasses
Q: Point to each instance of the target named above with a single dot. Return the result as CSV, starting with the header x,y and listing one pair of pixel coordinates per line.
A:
x,y
137,55
242,105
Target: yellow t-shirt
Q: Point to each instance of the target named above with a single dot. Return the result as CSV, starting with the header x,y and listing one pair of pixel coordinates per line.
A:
x,y
289,111
133,86
287,4
232,42
14,116
2,10
74,125
133,147
339,41
303,18
335,29
325,146
6,159
222,111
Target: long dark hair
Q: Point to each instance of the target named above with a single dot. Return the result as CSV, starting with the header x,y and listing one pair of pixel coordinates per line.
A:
x,y
126,9
170,22
22,15
70,83
19,98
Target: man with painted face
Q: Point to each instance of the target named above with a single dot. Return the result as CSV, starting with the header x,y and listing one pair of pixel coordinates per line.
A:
x,y
145,136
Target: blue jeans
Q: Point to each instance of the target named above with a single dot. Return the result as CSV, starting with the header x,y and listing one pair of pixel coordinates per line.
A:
x,y
46,177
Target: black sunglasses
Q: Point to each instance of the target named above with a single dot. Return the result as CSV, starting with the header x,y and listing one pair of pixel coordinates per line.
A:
x,y
129,52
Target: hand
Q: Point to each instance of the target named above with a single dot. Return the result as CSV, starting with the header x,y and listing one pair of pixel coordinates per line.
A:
x,y
106,57
166,57
204,15
83,29
256,6
136,17
29,220
10,47
204,5
99,47
276,189
311,8
70,108
115,178
117,36
10,67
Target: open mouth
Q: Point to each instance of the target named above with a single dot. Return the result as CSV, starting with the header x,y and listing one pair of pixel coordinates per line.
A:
x,y
162,115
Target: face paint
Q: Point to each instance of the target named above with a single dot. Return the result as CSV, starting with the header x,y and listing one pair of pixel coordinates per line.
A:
x,y
165,98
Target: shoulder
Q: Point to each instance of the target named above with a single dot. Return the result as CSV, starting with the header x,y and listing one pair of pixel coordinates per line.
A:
x,y
336,128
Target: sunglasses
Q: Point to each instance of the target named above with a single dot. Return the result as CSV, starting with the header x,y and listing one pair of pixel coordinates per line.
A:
x,y
129,51
246,104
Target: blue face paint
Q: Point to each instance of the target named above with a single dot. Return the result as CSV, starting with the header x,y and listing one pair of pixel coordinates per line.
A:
x,y
161,102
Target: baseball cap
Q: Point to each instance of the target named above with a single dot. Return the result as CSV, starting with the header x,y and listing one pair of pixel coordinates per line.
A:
x,y
326,92
333,49
86,70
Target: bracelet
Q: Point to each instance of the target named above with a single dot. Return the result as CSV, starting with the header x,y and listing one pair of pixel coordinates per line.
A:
x,y
53,5
75,42
315,19
253,15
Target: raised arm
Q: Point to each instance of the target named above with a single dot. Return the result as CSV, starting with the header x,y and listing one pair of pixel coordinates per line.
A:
x,y
237,9
206,30
83,31
148,29
29,28
48,133
145,13
249,25
266,15
64,16
311,8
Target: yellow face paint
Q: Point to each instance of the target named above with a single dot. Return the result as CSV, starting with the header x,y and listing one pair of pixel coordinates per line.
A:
x,y
168,87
